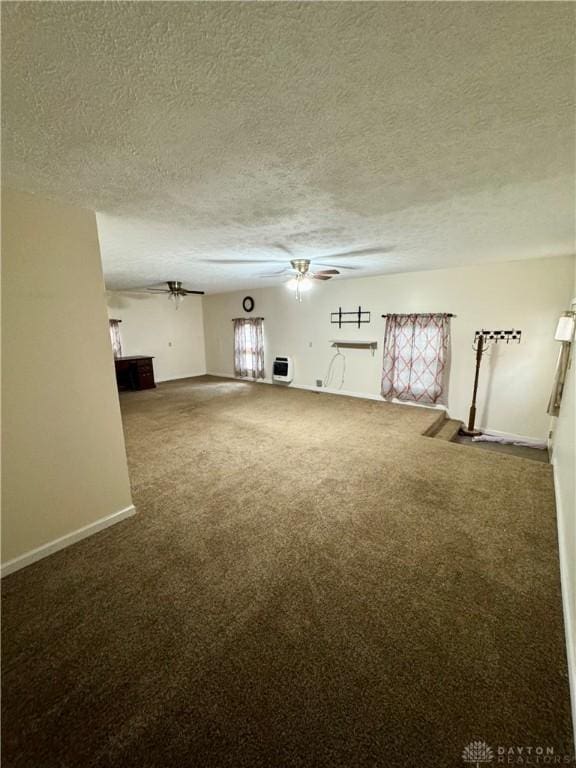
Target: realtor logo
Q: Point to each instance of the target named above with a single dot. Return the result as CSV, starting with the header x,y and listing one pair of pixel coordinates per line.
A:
x,y
477,752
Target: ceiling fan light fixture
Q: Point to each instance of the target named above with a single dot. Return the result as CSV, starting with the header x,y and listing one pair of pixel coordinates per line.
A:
x,y
306,283
301,283
176,298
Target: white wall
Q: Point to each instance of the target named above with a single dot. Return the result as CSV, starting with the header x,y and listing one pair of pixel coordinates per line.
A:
x,y
564,460
63,460
152,326
515,379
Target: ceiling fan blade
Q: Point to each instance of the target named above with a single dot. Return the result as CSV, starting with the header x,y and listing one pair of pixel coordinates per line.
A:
x,y
276,274
340,266
197,293
327,272
361,252
242,261
321,277
157,290
285,271
284,248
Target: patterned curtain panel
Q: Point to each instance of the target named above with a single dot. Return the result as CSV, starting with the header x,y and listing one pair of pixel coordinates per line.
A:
x,y
115,337
416,358
249,347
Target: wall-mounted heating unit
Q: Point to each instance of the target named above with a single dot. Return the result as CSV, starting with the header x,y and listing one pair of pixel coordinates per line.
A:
x,y
283,369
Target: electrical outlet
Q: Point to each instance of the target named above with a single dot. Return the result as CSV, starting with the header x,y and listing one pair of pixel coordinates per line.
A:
x,y
318,382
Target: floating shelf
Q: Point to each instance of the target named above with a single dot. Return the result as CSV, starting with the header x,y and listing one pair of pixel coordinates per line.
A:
x,y
371,345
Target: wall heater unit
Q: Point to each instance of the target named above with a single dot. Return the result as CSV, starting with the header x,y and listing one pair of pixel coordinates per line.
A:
x,y
283,369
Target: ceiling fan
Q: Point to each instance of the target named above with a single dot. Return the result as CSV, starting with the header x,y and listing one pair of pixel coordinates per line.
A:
x,y
355,253
302,274
175,291
300,268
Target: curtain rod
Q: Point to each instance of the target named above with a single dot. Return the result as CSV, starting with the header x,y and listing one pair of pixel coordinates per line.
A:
x,y
409,314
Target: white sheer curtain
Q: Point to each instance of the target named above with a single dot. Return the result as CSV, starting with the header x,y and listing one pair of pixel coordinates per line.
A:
x,y
115,337
249,347
416,358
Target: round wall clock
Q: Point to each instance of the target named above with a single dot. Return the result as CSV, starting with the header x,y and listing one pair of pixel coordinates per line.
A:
x,y
248,303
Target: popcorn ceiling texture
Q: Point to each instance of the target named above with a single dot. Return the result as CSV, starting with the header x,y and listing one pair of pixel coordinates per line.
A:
x,y
443,133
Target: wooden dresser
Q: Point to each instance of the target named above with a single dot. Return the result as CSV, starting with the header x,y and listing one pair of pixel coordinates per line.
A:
x,y
135,372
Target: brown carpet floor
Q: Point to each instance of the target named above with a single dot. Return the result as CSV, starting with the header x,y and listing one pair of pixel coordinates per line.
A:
x,y
309,582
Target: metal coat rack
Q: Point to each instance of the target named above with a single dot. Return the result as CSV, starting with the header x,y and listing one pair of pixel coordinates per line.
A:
x,y
482,340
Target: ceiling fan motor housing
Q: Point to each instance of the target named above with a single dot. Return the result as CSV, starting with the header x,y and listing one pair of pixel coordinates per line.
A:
x,y
301,265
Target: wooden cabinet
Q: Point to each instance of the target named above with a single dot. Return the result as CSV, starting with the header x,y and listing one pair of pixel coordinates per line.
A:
x,y
135,372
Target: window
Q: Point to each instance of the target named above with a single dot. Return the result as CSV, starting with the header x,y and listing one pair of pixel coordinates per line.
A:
x,y
115,337
249,348
416,358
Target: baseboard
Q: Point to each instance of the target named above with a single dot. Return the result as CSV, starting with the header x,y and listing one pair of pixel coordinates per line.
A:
x,y
308,387
329,391
177,378
222,375
567,599
65,541
537,442
237,378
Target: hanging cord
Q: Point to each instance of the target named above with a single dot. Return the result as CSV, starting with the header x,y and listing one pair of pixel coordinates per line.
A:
x,y
330,371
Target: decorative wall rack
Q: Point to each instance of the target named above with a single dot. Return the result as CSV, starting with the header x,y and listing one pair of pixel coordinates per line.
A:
x,y
340,318
496,336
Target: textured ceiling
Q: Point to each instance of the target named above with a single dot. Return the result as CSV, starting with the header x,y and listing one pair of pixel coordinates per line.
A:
x,y
442,133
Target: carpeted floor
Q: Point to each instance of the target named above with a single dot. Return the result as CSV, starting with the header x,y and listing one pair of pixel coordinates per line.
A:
x,y
309,582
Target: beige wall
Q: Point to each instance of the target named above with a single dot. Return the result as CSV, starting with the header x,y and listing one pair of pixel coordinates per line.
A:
x,y
152,326
564,460
515,379
64,463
